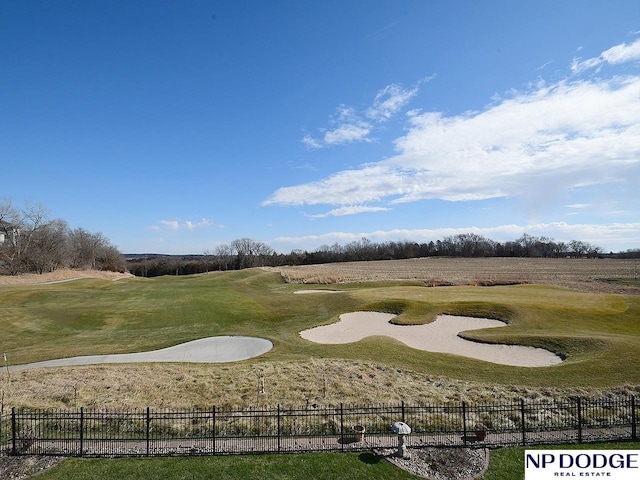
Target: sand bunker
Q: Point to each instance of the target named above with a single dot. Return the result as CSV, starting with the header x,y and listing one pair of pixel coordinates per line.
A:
x,y
440,336
206,350
302,292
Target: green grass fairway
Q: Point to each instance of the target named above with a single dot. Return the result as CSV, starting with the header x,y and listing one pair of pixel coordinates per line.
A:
x,y
598,334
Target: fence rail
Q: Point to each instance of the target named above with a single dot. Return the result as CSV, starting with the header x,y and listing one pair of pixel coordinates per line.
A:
x,y
84,432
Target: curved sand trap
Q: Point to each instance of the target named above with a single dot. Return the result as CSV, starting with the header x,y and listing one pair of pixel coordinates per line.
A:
x,y
205,350
440,336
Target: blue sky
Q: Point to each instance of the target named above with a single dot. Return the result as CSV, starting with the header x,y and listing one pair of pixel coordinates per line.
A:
x,y
175,126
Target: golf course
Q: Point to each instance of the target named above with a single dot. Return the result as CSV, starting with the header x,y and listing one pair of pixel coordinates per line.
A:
x,y
586,322
595,335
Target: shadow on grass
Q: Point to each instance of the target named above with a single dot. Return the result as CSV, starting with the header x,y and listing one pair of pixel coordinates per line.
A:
x,y
369,458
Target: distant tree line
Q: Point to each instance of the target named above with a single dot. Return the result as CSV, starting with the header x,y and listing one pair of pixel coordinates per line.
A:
x,y
31,242
239,254
245,253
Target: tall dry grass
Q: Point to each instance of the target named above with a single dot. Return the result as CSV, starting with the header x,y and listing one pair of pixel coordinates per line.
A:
x,y
60,275
317,381
591,274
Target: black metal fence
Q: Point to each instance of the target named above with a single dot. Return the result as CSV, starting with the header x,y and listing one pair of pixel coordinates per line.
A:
x,y
84,432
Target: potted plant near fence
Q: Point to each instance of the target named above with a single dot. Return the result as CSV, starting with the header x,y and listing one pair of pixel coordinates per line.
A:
x,y
358,431
481,431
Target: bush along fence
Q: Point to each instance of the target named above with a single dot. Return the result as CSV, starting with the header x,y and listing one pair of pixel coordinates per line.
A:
x,y
84,432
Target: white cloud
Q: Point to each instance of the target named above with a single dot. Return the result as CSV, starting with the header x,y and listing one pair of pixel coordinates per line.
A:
x,y
579,205
311,142
390,101
352,210
176,225
545,65
347,133
364,185
349,126
551,138
193,225
622,53
170,224
616,55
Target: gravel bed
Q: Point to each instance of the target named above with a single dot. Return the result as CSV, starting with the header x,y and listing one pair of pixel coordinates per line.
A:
x,y
20,467
440,463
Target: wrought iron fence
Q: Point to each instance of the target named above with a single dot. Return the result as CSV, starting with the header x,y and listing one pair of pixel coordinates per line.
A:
x,y
84,432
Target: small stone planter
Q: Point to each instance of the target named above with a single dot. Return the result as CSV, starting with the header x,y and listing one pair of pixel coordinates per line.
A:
x,y
358,433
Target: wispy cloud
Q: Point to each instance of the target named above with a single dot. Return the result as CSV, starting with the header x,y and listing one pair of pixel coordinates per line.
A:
x,y
352,210
579,205
616,55
170,224
545,65
201,224
554,137
176,225
389,101
347,125
311,142
348,132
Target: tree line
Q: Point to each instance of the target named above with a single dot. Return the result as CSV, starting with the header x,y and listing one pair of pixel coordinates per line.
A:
x,y
245,253
30,242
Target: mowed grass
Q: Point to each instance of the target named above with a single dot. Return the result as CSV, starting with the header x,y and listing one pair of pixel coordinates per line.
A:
x,y
505,464
597,334
83,317
326,466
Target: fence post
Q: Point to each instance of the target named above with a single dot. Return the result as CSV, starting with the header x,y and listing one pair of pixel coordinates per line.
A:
x,y
341,428
148,429
634,420
214,429
13,431
279,428
522,420
81,430
579,420
402,407
464,423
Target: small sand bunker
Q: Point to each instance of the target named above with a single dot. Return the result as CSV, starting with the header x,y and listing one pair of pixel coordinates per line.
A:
x,y
302,292
205,350
440,336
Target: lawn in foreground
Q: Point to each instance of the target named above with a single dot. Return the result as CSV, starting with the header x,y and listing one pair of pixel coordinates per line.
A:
x,y
505,464
356,466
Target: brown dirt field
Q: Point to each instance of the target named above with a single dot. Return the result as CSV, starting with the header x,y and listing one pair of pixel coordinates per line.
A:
x,y
594,275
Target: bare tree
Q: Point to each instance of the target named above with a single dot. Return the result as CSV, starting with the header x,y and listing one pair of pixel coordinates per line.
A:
x,y
49,248
85,247
109,258
20,227
251,253
224,256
